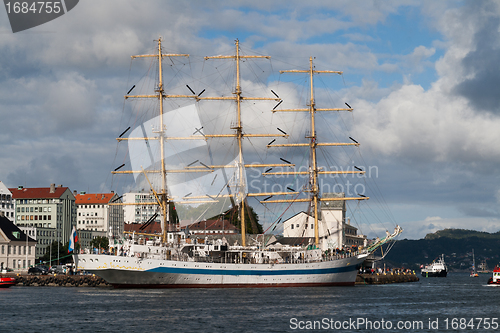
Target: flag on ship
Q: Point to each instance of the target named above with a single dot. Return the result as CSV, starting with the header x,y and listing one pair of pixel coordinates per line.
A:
x,y
73,240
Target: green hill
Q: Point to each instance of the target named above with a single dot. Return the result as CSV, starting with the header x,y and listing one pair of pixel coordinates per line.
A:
x,y
455,244
461,233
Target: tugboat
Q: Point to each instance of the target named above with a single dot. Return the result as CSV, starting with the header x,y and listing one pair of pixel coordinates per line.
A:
x,y
495,279
436,269
6,282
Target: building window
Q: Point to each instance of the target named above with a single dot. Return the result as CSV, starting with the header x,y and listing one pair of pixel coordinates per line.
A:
x,y
292,226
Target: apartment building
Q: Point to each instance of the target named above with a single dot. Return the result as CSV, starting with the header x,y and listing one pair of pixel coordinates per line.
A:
x,y
51,210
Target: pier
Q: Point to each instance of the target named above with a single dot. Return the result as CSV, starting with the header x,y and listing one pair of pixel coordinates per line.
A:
x,y
380,278
61,280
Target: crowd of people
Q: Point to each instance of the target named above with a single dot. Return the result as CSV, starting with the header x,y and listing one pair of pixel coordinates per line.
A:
x,y
379,270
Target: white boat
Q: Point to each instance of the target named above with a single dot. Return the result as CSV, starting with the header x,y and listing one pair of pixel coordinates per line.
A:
x,y
174,260
436,269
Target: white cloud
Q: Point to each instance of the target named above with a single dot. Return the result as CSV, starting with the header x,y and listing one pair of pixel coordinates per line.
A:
x,y
63,84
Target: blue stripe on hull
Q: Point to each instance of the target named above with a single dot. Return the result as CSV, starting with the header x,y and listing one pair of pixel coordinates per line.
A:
x,y
277,271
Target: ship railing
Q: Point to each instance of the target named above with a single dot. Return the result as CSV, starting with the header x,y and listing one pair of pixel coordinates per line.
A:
x,y
286,260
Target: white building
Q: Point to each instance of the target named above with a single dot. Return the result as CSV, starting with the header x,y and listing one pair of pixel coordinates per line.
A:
x,y
98,215
51,210
140,207
332,225
6,202
17,251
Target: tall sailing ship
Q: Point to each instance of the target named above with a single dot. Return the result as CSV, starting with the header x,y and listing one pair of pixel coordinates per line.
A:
x,y
189,173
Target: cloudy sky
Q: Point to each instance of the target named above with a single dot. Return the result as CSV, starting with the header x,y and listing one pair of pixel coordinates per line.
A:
x,y
421,75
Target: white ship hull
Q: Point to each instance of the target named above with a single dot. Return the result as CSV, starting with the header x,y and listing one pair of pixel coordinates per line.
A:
x,y
132,272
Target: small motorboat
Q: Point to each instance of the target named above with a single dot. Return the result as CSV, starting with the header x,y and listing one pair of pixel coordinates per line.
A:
x,y
495,279
6,282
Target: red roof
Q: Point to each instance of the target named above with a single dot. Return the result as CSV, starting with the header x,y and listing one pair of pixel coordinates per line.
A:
x,y
37,193
152,228
212,225
93,198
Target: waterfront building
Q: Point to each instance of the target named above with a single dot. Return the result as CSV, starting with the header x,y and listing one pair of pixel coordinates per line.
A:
x,y
140,207
51,210
6,202
17,250
97,214
333,224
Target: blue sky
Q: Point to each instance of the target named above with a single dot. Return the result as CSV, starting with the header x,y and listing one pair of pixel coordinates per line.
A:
x,y
421,76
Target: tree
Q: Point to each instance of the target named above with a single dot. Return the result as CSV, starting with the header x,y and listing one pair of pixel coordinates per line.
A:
x,y
100,242
252,225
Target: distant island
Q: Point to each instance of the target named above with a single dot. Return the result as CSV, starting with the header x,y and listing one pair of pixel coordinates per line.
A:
x,y
455,244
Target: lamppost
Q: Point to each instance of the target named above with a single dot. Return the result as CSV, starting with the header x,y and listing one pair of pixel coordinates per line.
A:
x,y
26,249
58,241
50,247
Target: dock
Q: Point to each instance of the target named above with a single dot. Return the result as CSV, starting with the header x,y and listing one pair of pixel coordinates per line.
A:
x,y
61,280
378,278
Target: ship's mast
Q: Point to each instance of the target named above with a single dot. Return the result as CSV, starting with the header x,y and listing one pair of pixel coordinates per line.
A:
x,y
162,195
161,134
314,171
239,135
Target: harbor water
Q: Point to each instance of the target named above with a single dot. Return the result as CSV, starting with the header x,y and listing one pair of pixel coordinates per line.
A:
x,y
455,303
